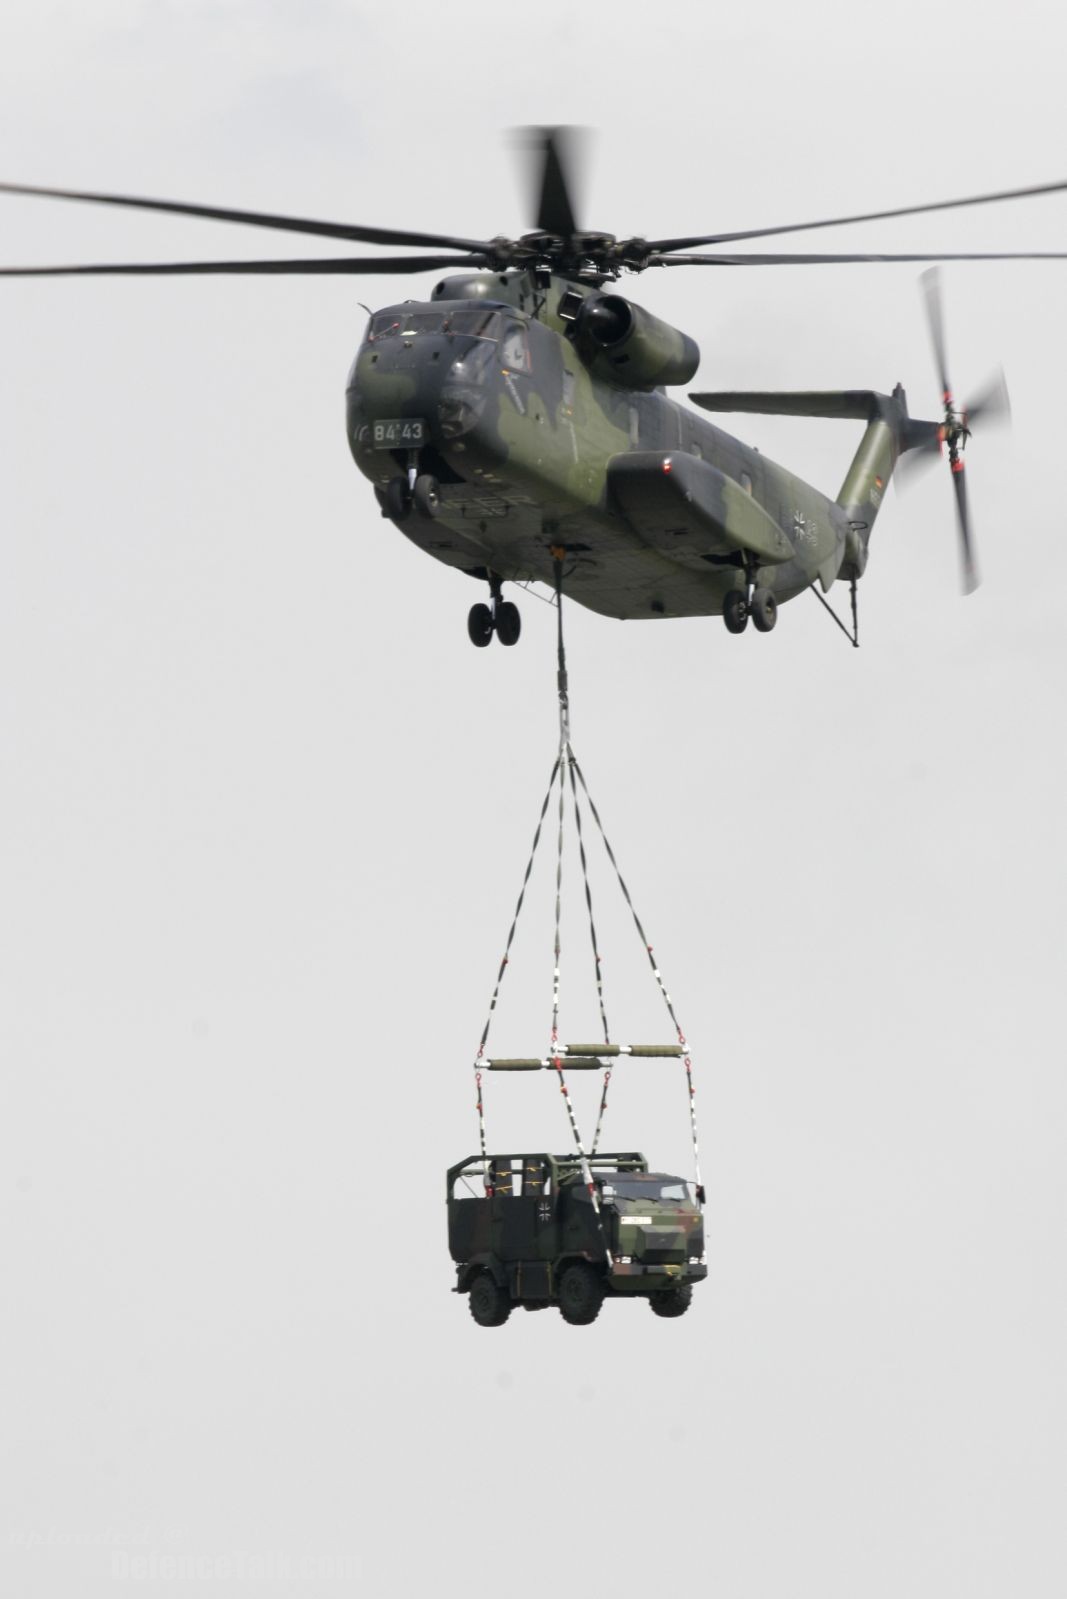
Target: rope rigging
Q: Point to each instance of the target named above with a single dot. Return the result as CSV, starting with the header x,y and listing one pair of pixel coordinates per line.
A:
x,y
567,771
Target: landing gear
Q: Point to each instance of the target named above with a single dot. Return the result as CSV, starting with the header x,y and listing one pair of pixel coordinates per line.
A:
x,y
763,608
420,493
755,602
480,625
735,611
500,616
395,499
426,495
508,622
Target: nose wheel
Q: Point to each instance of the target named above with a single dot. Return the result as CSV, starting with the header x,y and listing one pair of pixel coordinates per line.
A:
x,y
418,492
500,616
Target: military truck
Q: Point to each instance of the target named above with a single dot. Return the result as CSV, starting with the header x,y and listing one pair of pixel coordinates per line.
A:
x,y
524,1230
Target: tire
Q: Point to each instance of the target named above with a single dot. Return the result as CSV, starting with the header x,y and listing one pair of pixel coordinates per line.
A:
x,y
487,1302
397,499
426,496
763,608
508,622
581,1294
735,611
480,625
671,1301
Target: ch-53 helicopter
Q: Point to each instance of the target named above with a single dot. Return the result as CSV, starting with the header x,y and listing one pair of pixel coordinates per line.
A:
x,y
515,424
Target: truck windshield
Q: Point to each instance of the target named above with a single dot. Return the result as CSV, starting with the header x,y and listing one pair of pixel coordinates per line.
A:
x,y
633,1189
404,324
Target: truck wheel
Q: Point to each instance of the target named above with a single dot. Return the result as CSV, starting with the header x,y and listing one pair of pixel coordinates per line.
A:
x,y
581,1294
488,1302
671,1301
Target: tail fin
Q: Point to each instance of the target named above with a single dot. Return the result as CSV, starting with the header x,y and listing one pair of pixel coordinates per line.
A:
x,y
889,432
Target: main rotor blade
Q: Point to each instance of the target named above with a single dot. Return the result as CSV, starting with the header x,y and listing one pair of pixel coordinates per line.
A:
x,y
831,260
866,216
255,219
556,148
935,317
968,568
322,266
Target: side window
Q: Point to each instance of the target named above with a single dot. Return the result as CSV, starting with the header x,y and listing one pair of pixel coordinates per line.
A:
x,y
568,390
514,352
635,426
746,482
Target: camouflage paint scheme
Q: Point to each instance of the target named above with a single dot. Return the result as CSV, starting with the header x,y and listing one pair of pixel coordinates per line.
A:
x,y
526,1238
538,441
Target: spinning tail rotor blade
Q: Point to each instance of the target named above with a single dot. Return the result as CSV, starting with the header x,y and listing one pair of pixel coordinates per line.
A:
x,y
991,404
931,287
969,571
914,463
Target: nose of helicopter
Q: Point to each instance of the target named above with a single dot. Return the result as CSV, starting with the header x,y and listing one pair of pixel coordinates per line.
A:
x,y
417,380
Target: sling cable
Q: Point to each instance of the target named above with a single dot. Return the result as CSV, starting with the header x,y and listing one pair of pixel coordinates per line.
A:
x,y
562,1058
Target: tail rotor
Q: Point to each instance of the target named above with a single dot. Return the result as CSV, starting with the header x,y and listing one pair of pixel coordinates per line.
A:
x,y
991,405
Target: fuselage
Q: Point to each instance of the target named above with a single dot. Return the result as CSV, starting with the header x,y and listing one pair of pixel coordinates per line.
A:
x,y
525,442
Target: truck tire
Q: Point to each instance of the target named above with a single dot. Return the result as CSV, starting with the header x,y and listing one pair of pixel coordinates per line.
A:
x,y
581,1294
488,1302
671,1301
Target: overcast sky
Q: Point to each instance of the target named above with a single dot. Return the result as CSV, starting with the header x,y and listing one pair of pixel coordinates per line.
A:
x,y
264,813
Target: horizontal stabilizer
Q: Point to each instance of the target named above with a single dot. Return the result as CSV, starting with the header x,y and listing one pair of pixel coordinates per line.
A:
x,y
858,405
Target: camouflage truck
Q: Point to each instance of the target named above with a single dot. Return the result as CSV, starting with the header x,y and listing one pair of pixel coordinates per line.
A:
x,y
524,1230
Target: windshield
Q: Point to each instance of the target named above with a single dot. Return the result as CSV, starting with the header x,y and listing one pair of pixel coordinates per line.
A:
x,y
629,1190
401,323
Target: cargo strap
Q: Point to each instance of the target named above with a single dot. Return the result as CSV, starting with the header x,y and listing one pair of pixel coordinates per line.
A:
x,y
565,753
587,1056
657,974
504,960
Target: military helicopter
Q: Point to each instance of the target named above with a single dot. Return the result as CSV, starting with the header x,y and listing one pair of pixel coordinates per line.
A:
x,y
515,424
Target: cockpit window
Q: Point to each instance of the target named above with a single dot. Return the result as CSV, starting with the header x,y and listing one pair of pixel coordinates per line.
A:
x,y
405,324
481,323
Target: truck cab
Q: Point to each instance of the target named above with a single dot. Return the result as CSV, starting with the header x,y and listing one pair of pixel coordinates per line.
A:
x,y
530,1230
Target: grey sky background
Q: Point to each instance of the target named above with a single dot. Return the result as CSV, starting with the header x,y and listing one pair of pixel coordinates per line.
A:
x,y
264,813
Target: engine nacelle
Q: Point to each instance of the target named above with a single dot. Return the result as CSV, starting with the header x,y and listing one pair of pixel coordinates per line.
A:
x,y
626,344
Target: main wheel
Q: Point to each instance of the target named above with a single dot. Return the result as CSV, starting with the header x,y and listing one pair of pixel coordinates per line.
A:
x,y
671,1301
488,1302
480,625
763,608
508,622
581,1294
426,495
397,499
735,611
